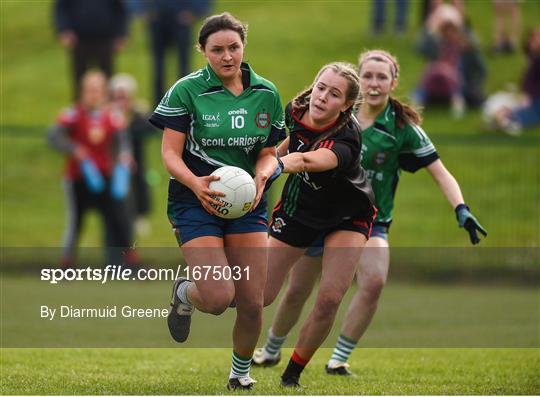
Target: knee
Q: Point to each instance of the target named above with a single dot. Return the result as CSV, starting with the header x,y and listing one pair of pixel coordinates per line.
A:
x,y
326,307
270,294
250,310
269,298
372,287
295,297
217,303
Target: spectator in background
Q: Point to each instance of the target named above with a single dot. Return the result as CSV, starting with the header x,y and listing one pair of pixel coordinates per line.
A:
x,y
89,133
512,121
123,89
171,23
456,71
92,30
428,6
379,11
506,34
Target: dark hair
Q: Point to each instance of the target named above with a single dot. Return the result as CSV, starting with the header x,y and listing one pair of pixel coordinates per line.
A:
x,y
346,70
405,114
216,23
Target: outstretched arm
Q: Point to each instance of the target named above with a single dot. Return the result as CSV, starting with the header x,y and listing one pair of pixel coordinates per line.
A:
x,y
446,182
283,147
450,188
317,161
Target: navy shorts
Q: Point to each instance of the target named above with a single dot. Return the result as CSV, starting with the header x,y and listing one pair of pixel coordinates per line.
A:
x,y
190,220
292,232
377,230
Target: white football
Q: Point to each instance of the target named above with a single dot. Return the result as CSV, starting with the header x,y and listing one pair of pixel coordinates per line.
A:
x,y
239,188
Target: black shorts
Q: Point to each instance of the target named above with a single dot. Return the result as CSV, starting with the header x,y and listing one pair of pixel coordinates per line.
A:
x,y
295,233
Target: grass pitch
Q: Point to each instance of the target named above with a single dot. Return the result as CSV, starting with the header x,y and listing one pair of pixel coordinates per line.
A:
x,y
424,316
498,175
205,371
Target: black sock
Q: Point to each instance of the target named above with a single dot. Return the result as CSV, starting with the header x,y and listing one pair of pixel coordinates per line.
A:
x,y
293,370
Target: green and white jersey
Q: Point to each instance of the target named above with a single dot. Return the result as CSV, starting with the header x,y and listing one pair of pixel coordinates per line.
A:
x,y
386,150
221,128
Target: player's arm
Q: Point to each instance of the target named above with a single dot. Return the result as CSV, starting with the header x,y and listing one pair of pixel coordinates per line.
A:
x,y
283,147
451,190
446,182
264,168
172,148
317,161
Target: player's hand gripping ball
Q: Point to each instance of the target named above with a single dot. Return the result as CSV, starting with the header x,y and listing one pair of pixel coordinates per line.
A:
x,y
239,189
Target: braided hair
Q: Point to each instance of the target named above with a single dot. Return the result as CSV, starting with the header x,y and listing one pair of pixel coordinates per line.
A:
x,y
300,104
405,114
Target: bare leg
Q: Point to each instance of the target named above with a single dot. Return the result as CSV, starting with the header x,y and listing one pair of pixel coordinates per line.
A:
x,y
248,251
498,24
303,276
515,24
281,257
342,250
371,277
208,294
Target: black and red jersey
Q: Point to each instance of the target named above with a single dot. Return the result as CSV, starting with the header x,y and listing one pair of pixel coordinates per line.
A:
x,y
324,199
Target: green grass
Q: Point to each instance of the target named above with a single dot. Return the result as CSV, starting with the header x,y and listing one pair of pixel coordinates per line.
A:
x,y
415,329
493,188
410,315
288,42
498,175
205,371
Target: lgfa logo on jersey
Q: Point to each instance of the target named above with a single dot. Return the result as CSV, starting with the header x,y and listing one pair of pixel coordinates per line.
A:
x,y
211,120
262,119
211,117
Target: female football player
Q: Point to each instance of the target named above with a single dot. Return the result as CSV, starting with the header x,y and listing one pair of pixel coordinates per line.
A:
x,y
222,114
326,196
392,140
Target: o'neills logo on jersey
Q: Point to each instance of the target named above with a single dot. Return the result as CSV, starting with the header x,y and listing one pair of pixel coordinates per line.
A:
x,y
262,120
237,112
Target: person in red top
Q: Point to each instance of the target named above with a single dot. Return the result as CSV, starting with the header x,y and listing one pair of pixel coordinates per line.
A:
x,y
98,157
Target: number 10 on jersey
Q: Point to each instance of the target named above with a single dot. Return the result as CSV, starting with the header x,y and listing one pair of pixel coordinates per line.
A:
x,y
237,122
